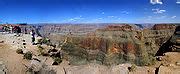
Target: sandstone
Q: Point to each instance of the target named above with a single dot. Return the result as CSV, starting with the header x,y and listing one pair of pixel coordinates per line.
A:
x,y
143,70
168,70
163,27
118,27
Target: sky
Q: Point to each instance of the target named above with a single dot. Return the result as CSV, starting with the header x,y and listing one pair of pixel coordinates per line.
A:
x,y
89,11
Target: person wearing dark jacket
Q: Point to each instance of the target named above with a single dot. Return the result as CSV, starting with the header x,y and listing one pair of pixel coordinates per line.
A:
x,y
32,36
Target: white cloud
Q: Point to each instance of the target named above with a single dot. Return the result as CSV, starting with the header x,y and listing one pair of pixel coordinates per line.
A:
x,y
161,17
178,2
156,2
76,18
147,18
97,19
72,19
102,13
125,12
111,16
173,17
156,17
158,11
100,18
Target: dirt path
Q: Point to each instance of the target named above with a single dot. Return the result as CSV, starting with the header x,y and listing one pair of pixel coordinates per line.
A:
x,y
13,61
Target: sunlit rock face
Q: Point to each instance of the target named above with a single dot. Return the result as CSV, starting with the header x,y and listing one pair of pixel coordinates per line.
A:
x,y
163,26
118,27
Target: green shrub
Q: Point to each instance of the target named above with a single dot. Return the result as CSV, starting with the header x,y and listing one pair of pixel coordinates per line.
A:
x,y
76,60
41,50
74,50
132,68
68,47
144,57
76,54
19,51
28,55
145,60
40,47
114,59
100,57
45,41
129,57
57,60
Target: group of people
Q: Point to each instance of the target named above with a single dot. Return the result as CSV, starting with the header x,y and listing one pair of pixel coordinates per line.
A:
x,y
35,35
11,29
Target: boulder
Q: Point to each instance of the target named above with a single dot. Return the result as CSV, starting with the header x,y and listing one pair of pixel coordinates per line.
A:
x,y
36,65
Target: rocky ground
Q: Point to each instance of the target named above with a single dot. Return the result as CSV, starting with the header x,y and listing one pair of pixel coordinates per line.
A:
x,y
170,63
13,63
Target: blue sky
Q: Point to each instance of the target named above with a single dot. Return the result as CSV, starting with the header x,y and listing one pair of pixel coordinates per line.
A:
x,y
89,11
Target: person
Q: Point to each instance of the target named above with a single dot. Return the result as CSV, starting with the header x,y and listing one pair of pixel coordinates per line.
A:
x,y
17,30
32,36
25,30
1,28
5,28
11,29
